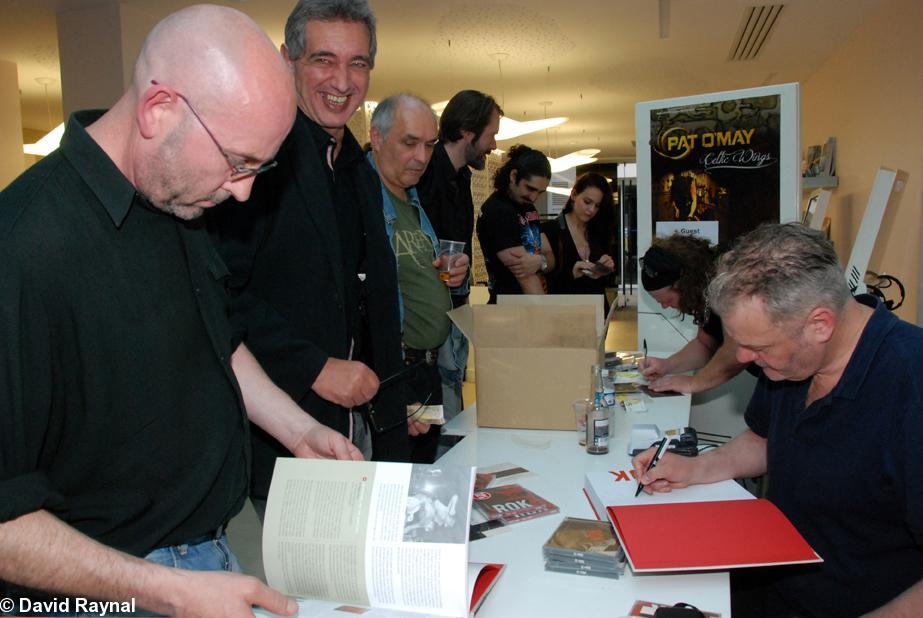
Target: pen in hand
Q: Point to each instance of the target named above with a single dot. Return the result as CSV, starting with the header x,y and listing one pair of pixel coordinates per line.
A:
x,y
661,448
645,348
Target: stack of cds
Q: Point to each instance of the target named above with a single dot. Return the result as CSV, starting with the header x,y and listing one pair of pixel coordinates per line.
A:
x,y
584,547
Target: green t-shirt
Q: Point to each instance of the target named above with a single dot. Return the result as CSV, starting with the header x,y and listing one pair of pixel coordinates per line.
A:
x,y
426,298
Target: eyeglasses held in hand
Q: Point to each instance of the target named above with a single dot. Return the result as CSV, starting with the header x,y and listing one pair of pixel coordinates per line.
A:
x,y
392,379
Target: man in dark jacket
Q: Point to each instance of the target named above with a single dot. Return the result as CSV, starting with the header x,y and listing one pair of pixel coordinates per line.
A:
x,y
311,267
467,131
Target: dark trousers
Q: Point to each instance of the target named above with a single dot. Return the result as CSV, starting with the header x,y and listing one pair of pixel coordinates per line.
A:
x,y
754,596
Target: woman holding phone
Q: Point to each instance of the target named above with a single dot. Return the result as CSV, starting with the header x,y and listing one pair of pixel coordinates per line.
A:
x,y
581,239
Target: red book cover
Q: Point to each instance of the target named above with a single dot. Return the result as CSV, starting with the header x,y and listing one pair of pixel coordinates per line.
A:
x,y
690,536
487,574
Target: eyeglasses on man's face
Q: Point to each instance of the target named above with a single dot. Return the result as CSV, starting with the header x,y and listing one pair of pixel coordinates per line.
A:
x,y
238,172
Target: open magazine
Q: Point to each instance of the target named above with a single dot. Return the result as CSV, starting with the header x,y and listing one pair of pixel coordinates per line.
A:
x,y
389,536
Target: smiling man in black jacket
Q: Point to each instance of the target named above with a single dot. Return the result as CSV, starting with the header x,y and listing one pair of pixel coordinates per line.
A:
x,y
312,272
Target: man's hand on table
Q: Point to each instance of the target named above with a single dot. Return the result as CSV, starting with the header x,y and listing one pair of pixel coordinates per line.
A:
x,y
671,472
653,368
679,383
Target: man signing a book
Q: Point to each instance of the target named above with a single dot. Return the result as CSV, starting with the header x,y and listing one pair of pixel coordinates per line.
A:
x,y
834,421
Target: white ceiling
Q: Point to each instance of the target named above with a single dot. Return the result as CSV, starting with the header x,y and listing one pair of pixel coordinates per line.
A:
x,y
593,59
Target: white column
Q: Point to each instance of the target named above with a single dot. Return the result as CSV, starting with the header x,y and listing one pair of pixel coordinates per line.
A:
x,y
98,46
89,44
12,160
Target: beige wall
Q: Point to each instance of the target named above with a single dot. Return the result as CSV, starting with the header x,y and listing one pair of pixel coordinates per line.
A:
x,y
869,95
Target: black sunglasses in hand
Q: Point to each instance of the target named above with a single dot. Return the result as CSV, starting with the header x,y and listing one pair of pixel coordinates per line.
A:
x,y
392,379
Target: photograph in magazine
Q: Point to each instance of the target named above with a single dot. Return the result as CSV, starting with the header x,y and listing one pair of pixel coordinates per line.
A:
x,y
436,511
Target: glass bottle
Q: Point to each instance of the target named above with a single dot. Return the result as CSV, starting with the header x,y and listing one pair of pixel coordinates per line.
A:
x,y
597,419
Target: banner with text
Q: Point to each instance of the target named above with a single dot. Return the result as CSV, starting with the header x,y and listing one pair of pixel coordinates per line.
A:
x,y
716,161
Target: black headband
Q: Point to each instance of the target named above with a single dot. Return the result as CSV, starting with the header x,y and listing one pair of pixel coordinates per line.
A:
x,y
659,269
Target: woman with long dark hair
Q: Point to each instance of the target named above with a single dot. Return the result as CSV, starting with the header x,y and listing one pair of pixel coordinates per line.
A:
x,y
581,238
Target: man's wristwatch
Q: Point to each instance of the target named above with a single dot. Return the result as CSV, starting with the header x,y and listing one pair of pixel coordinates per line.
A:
x,y
544,267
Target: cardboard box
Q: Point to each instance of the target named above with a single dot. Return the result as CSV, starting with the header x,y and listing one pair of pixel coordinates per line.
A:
x,y
533,358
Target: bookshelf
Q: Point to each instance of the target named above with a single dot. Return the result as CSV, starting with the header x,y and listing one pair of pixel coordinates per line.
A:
x,y
819,182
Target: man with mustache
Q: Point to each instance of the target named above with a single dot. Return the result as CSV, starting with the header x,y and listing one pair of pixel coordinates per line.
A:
x,y
468,127
403,135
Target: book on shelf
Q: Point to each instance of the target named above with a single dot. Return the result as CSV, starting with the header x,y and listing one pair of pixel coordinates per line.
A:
x,y
388,537
820,159
721,525
812,161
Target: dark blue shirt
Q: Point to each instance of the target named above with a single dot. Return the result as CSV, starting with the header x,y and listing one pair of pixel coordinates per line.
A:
x,y
848,471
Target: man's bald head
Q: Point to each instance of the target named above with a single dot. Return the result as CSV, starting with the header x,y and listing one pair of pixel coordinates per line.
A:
x,y
215,55
210,95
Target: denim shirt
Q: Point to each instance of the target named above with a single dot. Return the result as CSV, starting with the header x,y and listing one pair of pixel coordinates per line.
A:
x,y
390,216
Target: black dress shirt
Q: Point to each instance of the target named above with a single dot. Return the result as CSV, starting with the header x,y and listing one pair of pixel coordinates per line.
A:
x,y
445,194
119,412
347,210
294,250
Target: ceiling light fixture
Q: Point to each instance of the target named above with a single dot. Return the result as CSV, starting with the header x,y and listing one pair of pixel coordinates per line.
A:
x,y
510,128
573,159
558,190
47,144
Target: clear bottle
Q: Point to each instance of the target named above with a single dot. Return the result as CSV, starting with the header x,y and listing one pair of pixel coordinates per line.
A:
x,y
597,419
594,380
608,389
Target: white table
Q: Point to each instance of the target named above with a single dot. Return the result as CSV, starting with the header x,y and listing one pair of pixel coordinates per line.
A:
x,y
559,465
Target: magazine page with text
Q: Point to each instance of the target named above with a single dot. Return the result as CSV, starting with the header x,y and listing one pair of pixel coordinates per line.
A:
x,y
385,535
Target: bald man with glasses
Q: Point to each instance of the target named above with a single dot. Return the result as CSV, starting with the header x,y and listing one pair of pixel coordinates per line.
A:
x,y
124,398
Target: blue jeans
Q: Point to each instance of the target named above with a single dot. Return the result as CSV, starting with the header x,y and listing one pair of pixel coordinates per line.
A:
x,y
207,555
211,554
453,358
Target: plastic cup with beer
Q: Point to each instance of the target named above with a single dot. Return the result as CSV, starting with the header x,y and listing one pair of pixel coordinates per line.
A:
x,y
451,249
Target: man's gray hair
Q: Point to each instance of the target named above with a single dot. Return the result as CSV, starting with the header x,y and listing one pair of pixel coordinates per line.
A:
x,y
383,116
788,266
327,10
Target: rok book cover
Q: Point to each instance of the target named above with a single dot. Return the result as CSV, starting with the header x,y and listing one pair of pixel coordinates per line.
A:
x,y
504,505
